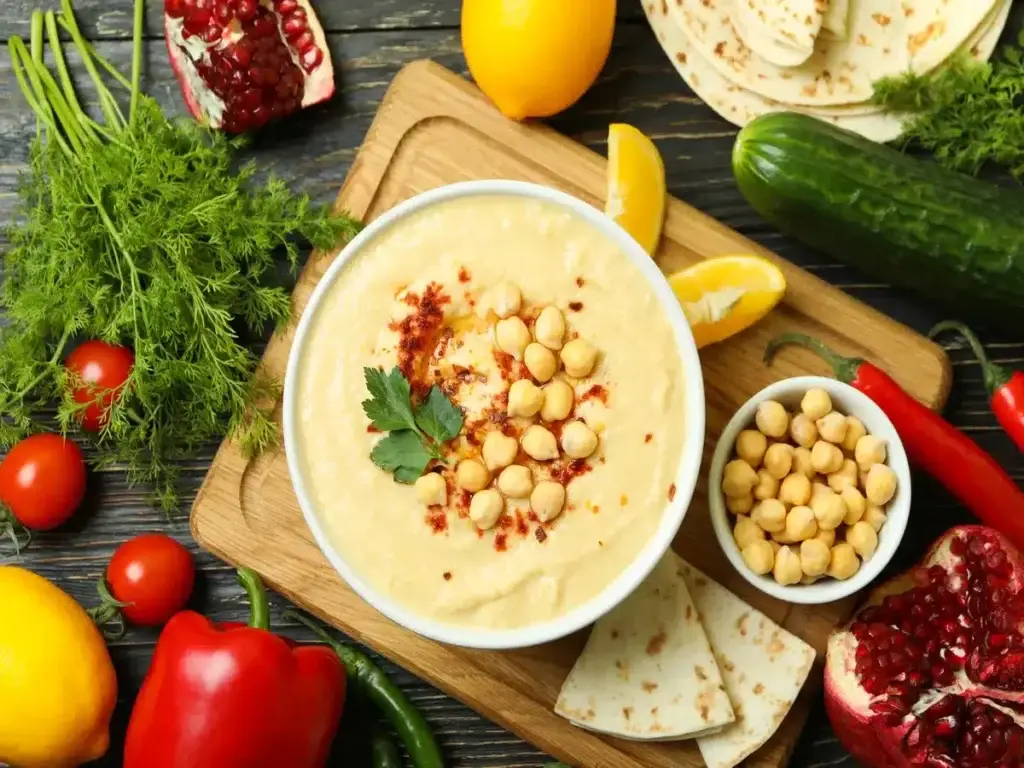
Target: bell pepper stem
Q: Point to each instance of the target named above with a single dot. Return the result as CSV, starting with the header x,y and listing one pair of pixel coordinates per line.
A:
x,y
995,375
844,368
259,606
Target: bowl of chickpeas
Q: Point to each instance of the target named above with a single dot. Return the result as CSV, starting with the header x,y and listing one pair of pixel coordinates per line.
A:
x,y
809,490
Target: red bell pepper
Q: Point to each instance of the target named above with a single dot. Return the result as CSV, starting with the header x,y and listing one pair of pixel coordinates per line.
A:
x,y
235,696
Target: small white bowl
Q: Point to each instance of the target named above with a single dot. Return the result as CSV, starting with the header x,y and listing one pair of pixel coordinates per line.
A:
x,y
849,402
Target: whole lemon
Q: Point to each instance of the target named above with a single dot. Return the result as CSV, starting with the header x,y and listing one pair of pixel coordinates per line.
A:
x,y
57,684
535,58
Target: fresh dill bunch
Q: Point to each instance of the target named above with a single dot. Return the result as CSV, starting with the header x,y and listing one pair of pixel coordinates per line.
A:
x,y
969,114
142,231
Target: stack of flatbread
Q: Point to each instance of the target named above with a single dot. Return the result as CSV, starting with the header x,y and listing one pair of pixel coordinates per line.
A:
x,y
684,658
819,57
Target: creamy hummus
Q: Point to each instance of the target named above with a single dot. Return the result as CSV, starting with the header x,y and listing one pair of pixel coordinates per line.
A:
x,y
413,297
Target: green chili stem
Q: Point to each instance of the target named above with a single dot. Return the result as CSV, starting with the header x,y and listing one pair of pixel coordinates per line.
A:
x,y
844,368
994,375
259,606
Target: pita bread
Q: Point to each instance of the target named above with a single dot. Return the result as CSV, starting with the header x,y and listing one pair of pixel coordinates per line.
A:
x,y
886,37
781,32
763,666
647,671
835,24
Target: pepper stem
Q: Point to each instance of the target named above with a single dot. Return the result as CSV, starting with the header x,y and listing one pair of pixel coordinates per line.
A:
x,y
844,368
995,375
259,606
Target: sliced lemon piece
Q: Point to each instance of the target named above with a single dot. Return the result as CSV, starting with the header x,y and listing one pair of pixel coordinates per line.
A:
x,y
725,295
636,185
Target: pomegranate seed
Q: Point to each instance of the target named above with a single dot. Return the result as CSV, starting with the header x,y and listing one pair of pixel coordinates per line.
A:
x,y
284,7
174,8
303,41
262,26
295,25
224,13
212,34
260,116
311,59
252,98
957,546
240,55
245,10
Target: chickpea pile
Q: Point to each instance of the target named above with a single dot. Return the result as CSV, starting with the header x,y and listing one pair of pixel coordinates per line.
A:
x,y
543,397
808,491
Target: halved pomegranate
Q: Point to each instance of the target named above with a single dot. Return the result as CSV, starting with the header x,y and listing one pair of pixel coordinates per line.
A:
x,y
931,671
242,63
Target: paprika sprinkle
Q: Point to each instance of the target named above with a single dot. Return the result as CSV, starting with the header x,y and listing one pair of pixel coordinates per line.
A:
x,y
1005,387
931,442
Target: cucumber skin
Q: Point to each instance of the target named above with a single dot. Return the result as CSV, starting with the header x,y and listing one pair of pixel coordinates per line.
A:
x,y
908,222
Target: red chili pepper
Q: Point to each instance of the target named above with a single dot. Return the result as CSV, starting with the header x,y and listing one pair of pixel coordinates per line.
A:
x,y
1005,387
931,442
235,696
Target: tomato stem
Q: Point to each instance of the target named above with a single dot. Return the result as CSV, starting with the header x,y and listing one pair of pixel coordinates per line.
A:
x,y
10,528
109,612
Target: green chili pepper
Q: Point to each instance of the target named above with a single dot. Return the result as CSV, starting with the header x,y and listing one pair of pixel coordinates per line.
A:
x,y
385,753
374,683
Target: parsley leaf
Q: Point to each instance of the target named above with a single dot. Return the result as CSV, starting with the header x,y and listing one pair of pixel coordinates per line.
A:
x,y
389,407
436,416
403,454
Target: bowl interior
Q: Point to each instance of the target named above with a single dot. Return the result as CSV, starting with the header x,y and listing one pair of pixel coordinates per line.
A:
x,y
689,463
850,402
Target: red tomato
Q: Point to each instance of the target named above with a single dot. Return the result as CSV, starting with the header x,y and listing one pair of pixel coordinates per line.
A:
x,y
102,367
153,574
42,480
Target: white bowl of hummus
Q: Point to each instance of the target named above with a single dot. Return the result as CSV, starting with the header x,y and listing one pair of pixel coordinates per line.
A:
x,y
493,414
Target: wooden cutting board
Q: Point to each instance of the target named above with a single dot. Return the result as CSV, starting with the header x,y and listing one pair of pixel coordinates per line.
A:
x,y
434,128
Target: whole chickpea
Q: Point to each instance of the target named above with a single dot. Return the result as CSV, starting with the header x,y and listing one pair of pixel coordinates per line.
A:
x,y
795,489
540,362
525,398
829,510
816,404
802,462
512,336
775,546
506,299
558,400
828,538
870,450
472,475
803,431
750,446
814,557
431,489
547,500
801,524
747,532
539,443
770,514
767,486
738,478
485,508
772,419
874,516
739,505
778,460
759,556
855,503
549,329
787,569
855,430
880,486
832,427
846,476
499,450
863,539
578,440
817,489
843,561
516,481
826,458
579,357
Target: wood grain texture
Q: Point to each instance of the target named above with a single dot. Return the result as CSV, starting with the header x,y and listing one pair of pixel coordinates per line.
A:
x,y
313,152
434,128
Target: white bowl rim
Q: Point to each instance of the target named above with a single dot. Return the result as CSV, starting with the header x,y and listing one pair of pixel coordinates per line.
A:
x,y
898,510
686,475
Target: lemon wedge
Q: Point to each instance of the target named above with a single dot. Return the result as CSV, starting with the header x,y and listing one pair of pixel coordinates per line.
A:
x,y
636,185
727,294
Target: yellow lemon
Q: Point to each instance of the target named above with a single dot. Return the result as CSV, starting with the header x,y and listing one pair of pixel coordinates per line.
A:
x,y
57,684
725,295
636,185
535,58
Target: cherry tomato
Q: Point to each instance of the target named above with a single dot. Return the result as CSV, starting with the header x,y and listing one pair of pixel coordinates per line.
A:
x,y
153,576
42,481
100,366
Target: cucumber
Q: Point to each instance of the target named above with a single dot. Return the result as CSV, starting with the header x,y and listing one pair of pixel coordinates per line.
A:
x,y
908,222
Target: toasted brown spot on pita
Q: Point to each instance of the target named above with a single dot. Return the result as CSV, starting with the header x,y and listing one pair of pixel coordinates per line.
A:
x,y
648,686
654,711
728,666
916,42
664,7
809,90
741,623
701,582
627,712
881,19
719,48
615,634
623,500
862,40
758,689
775,645
681,57
701,674
656,643
908,11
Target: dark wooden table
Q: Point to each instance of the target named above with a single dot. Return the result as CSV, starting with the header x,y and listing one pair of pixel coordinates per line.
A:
x,y
370,41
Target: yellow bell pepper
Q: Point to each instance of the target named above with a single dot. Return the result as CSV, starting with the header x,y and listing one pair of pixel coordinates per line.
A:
x,y
57,683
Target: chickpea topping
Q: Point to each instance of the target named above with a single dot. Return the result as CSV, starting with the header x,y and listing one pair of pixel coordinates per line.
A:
x,y
759,557
540,362
770,514
880,485
558,400
499,450
863,539
516,481
525,398
855,430
747,532
787,569
874,516
772,419
739,505
767,486
512,336
832,427
738,479
817,489
431,489
549,329
801,524
826,458
471,475
810,579
870,450
814,557
775,546
578,357
750,446
796,490
578,440
826,537
846,476
843,561
816,404
778,460
802,462
855,504
803,431
506,299
547,500
485,508
539,443
829,510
